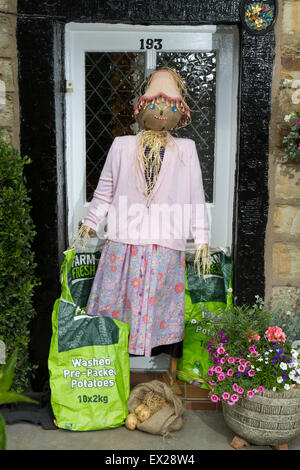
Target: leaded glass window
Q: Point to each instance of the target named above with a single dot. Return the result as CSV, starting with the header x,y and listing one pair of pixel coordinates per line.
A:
x,y
198,69
112,87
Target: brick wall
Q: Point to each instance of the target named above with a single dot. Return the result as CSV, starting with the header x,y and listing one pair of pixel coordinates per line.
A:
x,y
282,260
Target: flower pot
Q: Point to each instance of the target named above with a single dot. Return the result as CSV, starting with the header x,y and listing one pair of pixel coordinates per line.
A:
x,y
269,418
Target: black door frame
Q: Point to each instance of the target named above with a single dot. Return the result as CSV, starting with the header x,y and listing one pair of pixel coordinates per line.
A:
x,y
40,39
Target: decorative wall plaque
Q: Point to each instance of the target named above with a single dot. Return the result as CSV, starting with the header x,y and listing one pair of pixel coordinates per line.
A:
x,y
258,17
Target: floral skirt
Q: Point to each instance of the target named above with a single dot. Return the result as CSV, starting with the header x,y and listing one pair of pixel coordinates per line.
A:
x,y
142,285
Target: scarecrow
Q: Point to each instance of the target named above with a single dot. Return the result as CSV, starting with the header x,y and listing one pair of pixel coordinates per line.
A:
x,y
141,281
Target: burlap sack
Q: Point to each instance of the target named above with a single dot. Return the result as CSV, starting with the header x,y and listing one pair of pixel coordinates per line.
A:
x,y
166,419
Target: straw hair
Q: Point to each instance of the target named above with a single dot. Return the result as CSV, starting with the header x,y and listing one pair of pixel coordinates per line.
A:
x,y
203,260
151,161
179,81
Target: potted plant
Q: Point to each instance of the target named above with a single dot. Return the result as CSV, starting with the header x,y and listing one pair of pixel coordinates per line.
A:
x,y
255,374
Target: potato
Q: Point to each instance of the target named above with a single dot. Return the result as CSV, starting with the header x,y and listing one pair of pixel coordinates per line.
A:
x,y
144,414
131,421
139,409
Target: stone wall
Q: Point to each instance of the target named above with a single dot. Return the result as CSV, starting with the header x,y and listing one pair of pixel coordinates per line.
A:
x,y
9,102
282,260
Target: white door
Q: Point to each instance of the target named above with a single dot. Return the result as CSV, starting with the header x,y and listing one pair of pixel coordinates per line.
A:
x,y
105,66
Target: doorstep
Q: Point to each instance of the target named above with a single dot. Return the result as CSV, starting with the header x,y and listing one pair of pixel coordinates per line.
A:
x,y
195,398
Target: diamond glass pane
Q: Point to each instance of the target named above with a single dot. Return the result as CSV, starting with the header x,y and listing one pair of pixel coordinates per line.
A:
x,y
198,69
112,88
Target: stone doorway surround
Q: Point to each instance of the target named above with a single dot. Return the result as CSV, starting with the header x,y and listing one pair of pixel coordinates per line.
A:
x,y
282,252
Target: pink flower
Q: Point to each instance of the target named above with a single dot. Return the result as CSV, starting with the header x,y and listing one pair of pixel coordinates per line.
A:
x,y
235,387
240,390
247,364
261,389
230,372
218,369
241,368
234,397
211,371
298,122
252,348
230,360
250,394
214,398
223,360
220,350
225,396
212,382
221,376
241,361
254,354
251,373
274,333
230,402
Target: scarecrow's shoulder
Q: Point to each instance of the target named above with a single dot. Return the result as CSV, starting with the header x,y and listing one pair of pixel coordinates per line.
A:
x,y
125,140
184,142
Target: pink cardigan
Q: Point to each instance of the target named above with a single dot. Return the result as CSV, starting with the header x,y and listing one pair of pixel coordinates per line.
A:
x,y
176,210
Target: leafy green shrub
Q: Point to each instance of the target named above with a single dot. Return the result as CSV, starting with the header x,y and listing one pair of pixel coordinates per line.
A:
x,y
8,396
17,266
238,323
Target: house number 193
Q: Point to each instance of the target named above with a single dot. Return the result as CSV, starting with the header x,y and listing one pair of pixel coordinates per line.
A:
x,y
151,43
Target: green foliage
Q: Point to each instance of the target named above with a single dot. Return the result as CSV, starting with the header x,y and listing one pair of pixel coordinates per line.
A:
x,y
237,322
7,396
17,267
